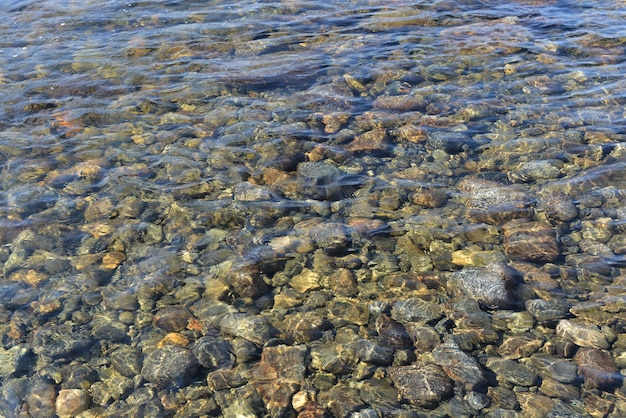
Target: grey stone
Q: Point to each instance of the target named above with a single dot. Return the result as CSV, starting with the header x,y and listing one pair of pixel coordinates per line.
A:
x,y
494,286
421,384
170,365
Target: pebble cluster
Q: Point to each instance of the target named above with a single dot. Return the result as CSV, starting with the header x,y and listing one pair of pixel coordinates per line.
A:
x,y
420,235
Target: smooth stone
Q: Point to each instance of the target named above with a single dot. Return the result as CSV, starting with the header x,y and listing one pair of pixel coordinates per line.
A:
x,y
172,318
256,329
60,340
534,405
520,345
539,170
558,206
554,367
283,362
589,262
559,390
530,241
392,333
213,353
494,203
120,300
511,371
341,400
416,310
493,286
328,359
334,238
372,353
246,280
598,369
425,338
306,281
349,310
280,374
424,385
502,398
13,360
71,402
305,328
379,395
548,311
450,142
221,379
105,326
584,335
248,192
80,377
41,400
460,367
127,360
170,365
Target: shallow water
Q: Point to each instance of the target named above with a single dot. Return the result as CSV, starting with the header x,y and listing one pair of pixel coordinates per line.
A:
x,y
293,173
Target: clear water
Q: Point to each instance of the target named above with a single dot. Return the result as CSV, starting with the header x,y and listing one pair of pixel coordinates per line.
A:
x,y
161,143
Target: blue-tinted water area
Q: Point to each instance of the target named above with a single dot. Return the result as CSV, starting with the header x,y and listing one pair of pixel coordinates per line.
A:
x,y
305,208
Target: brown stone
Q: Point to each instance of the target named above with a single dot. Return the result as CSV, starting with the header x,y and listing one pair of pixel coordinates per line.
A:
x,y
494,203
534,405
371,141
421,384
582,334
555,389
71,402
279,376
172,318
530,241
520,345
597,368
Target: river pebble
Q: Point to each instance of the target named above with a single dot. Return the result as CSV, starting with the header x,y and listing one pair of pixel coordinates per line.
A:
x,y
495,203
460,367
597,368
313,219
582,334
530,241
511,371
71,402
421,384
213,353
493,286
170,365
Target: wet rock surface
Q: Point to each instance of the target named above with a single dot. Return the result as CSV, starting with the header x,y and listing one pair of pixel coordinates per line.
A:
x,y
530,241
169,366
422,385
495,286
312,210
597,368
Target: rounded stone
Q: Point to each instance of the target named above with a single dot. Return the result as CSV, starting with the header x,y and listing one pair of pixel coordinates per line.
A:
x,y
493,286
106,327
172,318
494,203
423,385
460,367
213,353
584,335
71,402
598,369
170,365
127,360
511,371
530,241
59,340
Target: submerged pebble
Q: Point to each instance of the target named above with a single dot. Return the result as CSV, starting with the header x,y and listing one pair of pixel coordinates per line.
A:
x,y
494,286
329,211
